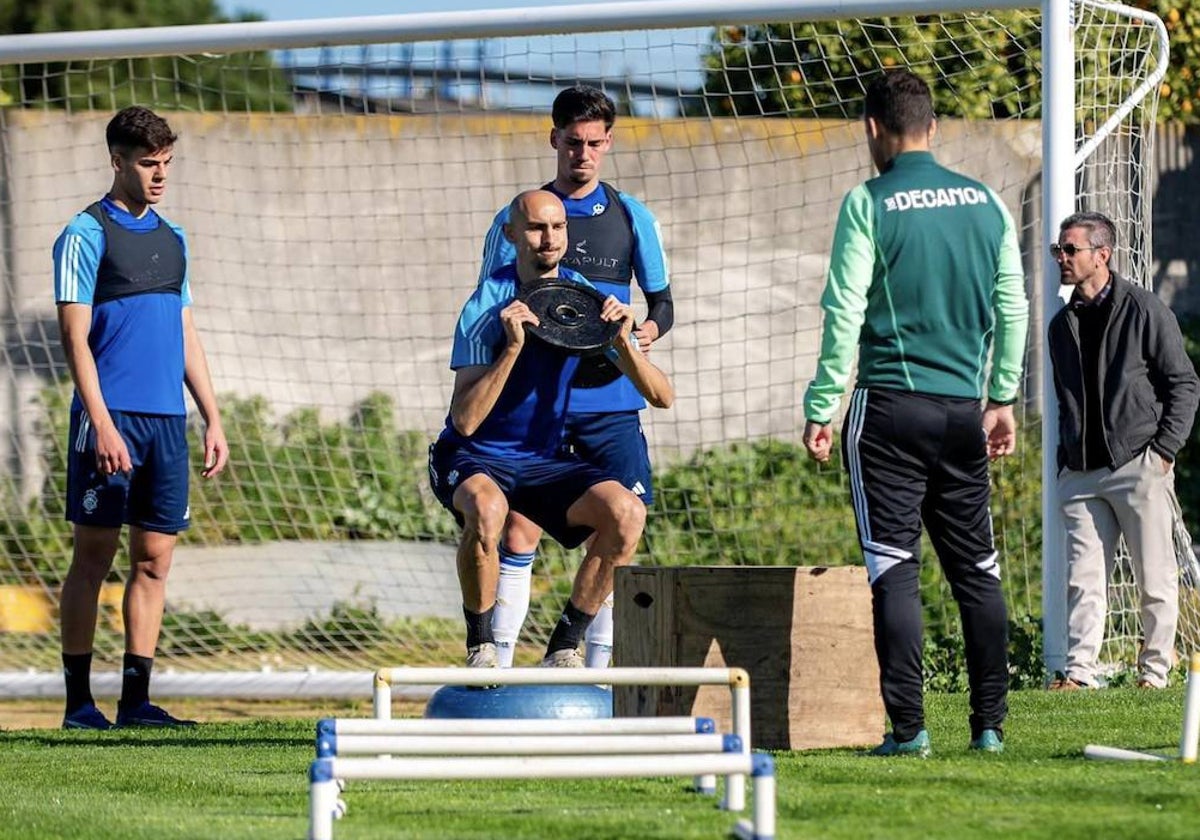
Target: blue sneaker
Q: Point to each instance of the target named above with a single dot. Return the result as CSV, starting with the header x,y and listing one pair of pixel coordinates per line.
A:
x,y
988,741
148,714
916,747
86,717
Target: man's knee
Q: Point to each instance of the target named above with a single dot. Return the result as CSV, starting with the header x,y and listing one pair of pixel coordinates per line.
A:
x,y
521,535
94,550
484,514
151,569
150,553
626,516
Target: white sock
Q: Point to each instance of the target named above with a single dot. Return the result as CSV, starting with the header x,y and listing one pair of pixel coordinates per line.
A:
x,y
600,636
512,602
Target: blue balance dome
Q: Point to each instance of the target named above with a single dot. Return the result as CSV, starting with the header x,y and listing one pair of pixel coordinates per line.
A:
x,y
575,702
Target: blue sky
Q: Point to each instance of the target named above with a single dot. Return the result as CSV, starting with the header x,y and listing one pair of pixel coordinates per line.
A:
x,y
670,59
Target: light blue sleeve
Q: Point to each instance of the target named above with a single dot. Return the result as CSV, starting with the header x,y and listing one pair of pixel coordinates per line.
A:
x,y
479,331
186,292
649,256
77,254
497,250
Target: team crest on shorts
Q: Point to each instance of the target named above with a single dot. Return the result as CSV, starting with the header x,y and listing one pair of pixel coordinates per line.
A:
x,y
452,478
91,501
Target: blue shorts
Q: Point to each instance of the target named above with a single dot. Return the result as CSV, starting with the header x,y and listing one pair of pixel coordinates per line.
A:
x,y
615,443
542,489
153,496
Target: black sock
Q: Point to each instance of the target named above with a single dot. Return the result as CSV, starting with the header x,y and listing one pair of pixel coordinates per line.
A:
x,y
135,680
479,627
569,630
77,672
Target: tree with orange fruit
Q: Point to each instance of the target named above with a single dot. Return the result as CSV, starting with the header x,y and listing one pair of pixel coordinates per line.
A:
x,y
815,69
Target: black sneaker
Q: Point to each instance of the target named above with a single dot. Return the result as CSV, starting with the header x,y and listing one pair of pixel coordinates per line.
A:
x,y
86,717
148,714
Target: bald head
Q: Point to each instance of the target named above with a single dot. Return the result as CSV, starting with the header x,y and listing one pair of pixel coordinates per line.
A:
x,y
533,203
537,228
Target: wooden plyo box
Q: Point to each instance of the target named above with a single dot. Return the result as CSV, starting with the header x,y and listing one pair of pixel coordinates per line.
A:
x,y
804,634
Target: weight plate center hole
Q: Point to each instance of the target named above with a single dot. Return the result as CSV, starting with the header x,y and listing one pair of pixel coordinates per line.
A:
x,y
568,315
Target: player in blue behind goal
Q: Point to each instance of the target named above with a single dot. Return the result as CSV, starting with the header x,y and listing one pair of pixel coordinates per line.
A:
x,y
613,240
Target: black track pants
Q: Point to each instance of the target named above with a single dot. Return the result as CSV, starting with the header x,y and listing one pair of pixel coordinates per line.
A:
x,y
913,459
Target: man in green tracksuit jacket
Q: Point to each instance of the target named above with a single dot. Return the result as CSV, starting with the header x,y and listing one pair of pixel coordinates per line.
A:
x,y
925,283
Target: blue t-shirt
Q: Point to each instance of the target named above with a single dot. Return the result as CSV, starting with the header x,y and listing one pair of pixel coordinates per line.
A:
x,y
527,420
136,339
649,268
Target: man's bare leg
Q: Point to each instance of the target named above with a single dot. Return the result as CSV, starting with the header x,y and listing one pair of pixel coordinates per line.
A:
x,y
91,558
150,554
617,517
484,509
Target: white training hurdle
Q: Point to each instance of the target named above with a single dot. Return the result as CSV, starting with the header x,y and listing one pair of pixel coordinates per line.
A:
x,y
737,679
336,730
529,745
523,726
325,774
493,748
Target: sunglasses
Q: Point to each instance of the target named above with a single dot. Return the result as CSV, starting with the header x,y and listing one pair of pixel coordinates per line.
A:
x,y
1069,249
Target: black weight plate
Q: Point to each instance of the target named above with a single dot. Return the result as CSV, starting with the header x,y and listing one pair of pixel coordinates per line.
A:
x,y
595,372
570,317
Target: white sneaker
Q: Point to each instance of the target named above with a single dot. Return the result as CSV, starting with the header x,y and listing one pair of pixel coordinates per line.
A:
x,y
482,656
568,658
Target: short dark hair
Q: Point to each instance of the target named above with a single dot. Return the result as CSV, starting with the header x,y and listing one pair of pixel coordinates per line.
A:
x,y
136,127
900,102
1101,232
582,103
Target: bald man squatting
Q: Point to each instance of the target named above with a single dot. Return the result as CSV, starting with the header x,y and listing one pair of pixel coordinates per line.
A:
x,y
500,449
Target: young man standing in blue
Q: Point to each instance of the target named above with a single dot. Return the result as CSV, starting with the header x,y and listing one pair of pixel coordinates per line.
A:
x,y
612,239
500,451
124,312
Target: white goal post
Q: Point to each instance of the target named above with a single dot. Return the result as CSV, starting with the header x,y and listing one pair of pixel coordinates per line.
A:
x,y
336,178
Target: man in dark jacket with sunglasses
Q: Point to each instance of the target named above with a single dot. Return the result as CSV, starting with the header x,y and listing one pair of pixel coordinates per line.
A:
x,y
1127,395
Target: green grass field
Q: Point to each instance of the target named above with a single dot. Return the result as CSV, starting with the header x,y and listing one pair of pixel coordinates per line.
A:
x,y
247,780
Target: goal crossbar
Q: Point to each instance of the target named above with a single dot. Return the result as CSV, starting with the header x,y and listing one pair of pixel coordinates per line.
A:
x,y
435,26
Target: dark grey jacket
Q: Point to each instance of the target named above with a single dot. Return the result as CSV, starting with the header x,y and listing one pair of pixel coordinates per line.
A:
x,y
1148,386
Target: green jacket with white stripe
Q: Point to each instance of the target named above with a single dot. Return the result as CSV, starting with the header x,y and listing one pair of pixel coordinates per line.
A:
x,y
924,277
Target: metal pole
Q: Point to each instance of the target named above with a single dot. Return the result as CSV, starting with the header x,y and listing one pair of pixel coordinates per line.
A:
x,y
1058,202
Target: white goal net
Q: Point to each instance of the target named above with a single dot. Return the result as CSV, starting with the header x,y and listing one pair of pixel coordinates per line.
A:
x,y
336,199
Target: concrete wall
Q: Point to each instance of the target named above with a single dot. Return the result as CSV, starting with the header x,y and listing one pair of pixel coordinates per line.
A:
x,y
330,255
1176,245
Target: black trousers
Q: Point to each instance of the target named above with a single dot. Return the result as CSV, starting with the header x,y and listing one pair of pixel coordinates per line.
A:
x,y
913,459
